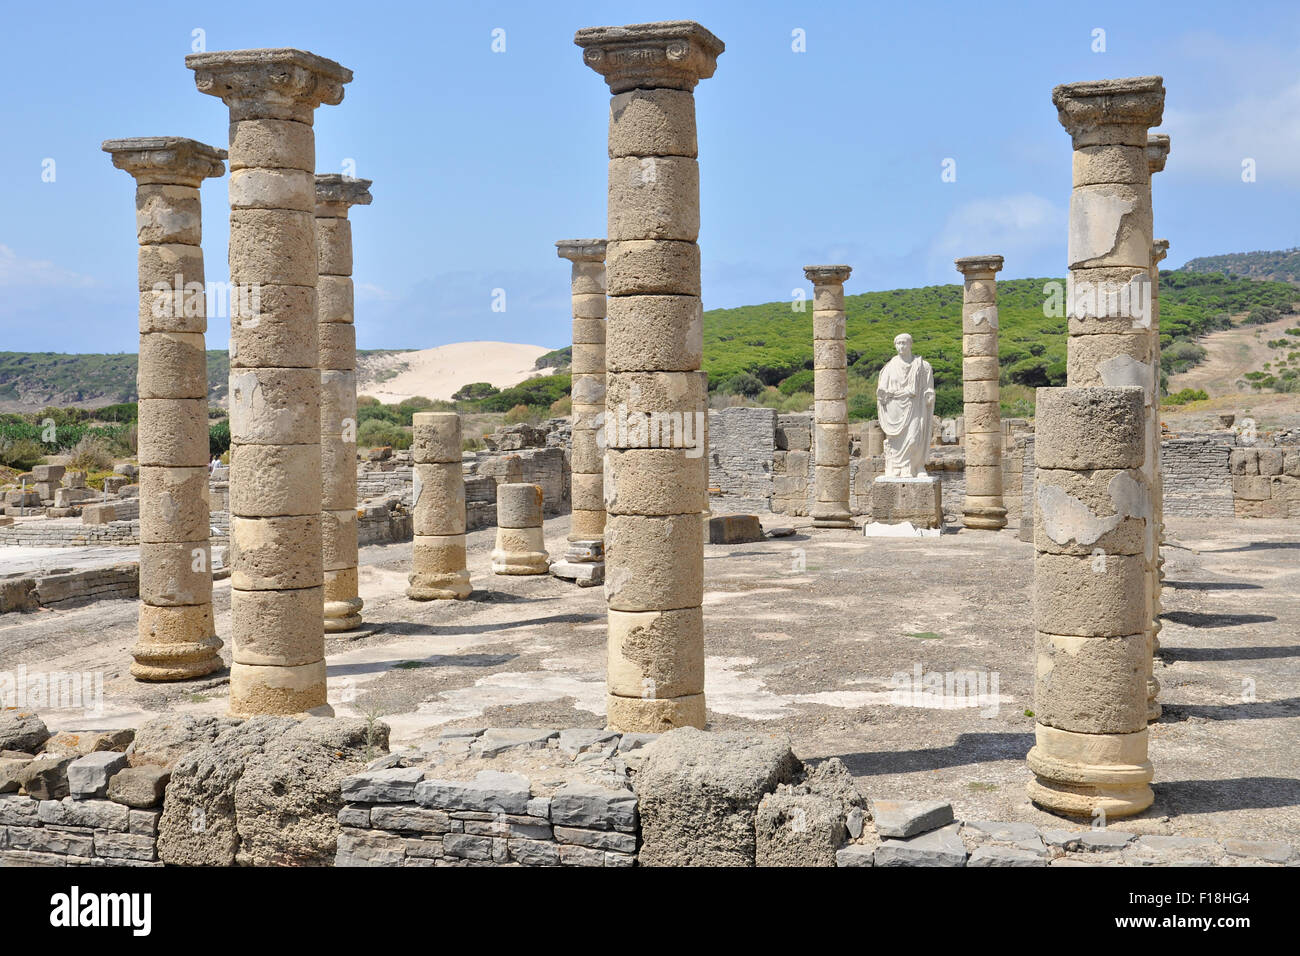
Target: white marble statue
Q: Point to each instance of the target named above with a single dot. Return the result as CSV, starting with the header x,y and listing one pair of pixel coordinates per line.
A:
x,y
905,403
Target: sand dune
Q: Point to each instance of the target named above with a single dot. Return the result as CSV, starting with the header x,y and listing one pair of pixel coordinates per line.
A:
x,y
439,372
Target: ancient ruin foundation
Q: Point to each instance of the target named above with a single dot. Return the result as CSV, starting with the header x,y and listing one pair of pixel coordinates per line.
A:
x,y
438,504
983,508
337,338
521,543
1110,335
656,472
1092,508
277,575
830,398
584,562
176,637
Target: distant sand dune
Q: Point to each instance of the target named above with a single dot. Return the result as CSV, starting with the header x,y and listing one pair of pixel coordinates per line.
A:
x,y
440,372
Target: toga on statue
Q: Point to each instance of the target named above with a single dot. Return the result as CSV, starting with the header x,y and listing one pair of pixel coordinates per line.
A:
x,y
905,403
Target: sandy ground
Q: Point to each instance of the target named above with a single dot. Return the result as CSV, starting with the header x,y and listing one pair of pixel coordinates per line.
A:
x,y
437,373
805,635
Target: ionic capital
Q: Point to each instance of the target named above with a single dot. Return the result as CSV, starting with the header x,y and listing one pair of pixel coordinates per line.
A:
x,y
1157,151
166,160
279,84
1110,112
827,275
336,194
581,250
978,267
672,55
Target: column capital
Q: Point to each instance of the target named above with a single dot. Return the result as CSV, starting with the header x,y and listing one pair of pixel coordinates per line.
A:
x,y
978,267
336,194
827,275
1157,151
1110,112
271,84
581,250
1159,249
672,55
166,160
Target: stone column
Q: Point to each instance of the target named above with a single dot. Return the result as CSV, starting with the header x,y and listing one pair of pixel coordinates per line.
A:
x,y
830,399
1157,155
1092,504
438,505
176,638
275,470
656,474
521,543
584,562
984,507
1109,296
337,337
1159,249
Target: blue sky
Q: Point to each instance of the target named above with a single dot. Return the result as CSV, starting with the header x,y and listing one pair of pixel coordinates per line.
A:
x,y
481,160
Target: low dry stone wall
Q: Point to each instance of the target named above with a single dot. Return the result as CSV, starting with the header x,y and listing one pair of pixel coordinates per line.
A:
x,y
741,442
61,588
69,533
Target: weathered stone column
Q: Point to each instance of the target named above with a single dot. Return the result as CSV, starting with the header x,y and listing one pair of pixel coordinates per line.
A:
x,y
584,562
1159,249
337,337
656,474
984,507
438,509
176,638
830,399
1157,155
1092,505
275,469
521,543
1109,297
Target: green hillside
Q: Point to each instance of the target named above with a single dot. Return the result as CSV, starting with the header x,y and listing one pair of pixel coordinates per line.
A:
x,y
773,343
750,350
1280,266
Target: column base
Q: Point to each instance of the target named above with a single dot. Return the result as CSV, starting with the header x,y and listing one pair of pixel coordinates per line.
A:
x,y
343,616
175,643
526,562
449,586
983,518
639,715
1079,774
267,689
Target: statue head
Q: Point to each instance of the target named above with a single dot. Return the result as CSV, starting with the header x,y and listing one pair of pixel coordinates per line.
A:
x,y
903,346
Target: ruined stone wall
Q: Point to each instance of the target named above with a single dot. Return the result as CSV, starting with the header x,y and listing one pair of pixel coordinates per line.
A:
x,y
26,592
1197,482
70,832
741,459
792,465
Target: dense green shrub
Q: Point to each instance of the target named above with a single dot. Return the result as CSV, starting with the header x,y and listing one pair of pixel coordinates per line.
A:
x,y
219,438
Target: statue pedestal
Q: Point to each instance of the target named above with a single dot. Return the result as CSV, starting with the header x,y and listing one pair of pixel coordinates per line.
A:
x,y
917,501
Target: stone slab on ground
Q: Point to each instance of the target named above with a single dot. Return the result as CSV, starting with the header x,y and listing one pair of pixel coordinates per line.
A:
x,y
905,818
942,847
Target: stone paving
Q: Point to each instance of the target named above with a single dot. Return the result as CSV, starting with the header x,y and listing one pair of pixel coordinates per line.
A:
x,y
796,643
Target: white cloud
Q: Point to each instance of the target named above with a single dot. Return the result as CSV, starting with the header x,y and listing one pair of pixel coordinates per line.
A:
x,y
1262,124
17,272
1019,227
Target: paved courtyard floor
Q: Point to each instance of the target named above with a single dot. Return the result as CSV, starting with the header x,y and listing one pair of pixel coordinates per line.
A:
x,y
819,636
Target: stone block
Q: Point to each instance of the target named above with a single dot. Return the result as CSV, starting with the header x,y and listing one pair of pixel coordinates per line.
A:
x,y
734,529
918,501
88,776
942,847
